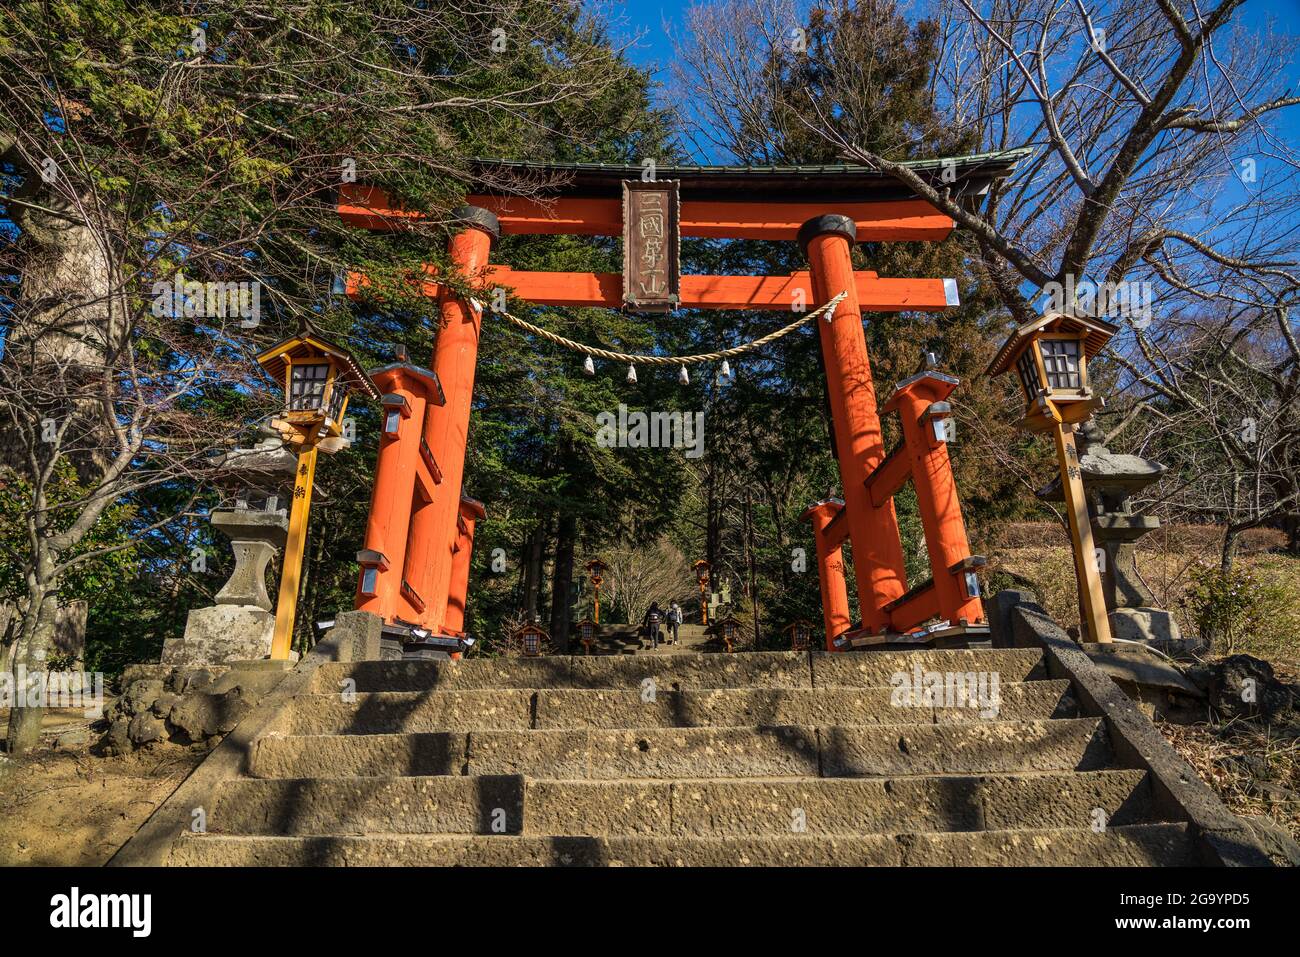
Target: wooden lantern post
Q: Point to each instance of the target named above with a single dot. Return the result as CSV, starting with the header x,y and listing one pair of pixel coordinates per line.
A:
x,y
596,573
702,571
587,634
800,633
1050,356
531,637
728,629
318,378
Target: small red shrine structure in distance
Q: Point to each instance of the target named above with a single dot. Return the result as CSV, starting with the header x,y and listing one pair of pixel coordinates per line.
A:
x,y
419,536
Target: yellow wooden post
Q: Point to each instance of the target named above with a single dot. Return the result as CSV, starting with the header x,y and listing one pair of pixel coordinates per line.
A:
x,y
1092,601
286,606
596,610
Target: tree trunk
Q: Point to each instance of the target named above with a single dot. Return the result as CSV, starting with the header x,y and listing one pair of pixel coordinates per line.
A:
x,y
533,570
562,583
1229,549
69,314
37,638
753,568
713,531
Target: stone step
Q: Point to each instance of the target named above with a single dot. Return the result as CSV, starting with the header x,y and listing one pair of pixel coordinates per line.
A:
x,y
1136,845
778,670
575,708
783,751
875,669
768,669
820,806
390,712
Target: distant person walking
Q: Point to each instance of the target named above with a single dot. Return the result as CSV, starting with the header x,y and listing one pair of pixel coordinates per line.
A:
x,y
650,623
674,620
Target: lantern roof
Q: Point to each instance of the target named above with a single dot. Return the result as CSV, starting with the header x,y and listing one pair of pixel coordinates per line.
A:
x,y
1094,332
308,345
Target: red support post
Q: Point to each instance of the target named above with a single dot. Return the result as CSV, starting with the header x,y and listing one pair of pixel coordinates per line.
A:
x,y
830,570
409,391
920,403
471,512
877,548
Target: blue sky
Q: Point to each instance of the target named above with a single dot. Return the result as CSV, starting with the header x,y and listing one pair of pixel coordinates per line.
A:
x,y
651,15
655,18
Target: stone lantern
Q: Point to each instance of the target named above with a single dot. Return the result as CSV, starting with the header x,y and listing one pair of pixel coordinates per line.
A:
x,y
239,627
1111,480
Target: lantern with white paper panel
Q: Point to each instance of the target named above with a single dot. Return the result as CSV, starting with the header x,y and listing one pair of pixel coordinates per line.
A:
x,y
318,377
1050,356
531,636
587,634
800,633
729,630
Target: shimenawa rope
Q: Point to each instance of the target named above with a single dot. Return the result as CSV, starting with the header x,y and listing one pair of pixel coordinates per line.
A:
x,y
828,307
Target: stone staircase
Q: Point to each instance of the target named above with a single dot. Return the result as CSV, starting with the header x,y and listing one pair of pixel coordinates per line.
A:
x,y
777,758
626,640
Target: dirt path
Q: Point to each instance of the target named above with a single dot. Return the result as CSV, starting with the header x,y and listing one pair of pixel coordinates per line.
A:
x,y
69,807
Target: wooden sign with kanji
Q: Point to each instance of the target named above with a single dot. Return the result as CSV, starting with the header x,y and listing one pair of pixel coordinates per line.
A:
x,y
651,246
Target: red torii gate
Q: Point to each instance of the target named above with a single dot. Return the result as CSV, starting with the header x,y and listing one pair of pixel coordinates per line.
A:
x,y
419,536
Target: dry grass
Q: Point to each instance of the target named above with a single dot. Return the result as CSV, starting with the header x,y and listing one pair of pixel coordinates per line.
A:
x,y
1039,554
1254,768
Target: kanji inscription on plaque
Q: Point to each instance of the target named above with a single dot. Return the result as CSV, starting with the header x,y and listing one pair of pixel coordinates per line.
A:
x,y
651,246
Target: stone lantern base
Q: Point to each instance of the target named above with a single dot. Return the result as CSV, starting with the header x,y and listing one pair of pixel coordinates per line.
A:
x,y
239,627
1144,624
221,634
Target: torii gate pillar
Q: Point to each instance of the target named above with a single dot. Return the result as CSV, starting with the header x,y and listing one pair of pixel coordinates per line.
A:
x,y
877,549
455,354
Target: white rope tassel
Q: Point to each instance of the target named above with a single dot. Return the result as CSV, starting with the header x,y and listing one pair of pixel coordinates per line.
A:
x,y
588,366
631,374
726,369
683,376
